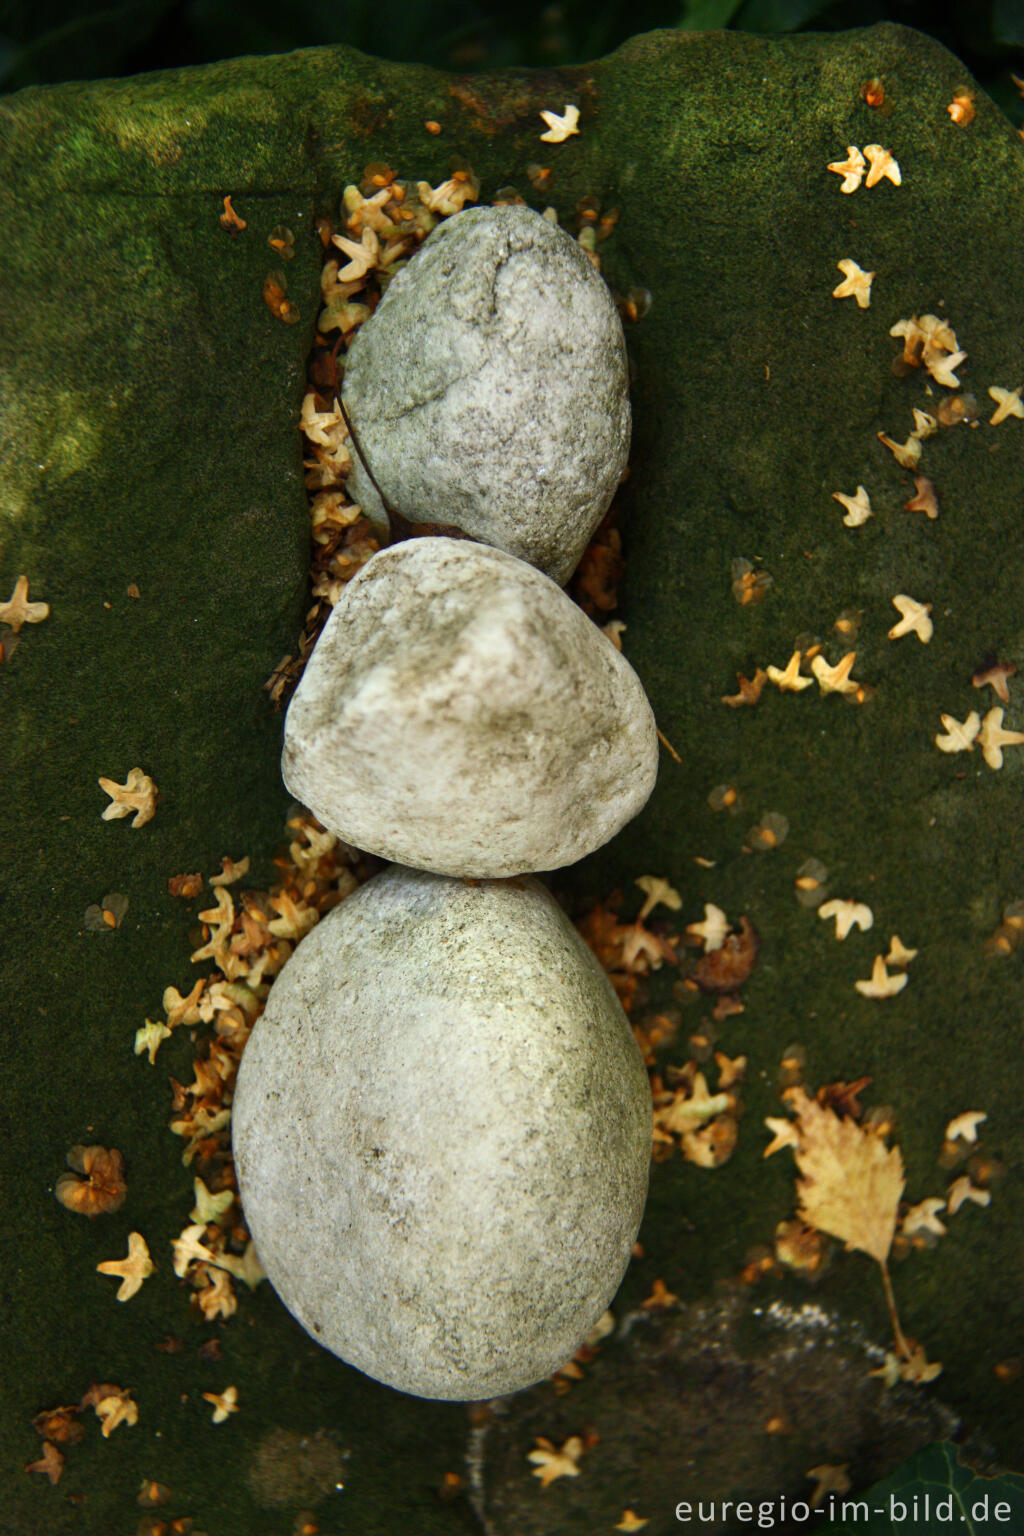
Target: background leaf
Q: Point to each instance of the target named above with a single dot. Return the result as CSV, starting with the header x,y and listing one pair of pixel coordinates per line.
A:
x,y
936,1474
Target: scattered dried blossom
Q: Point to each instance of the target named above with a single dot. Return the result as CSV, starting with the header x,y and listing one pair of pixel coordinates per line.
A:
x,y
851,169
549,1463
992,738
913,620
906,454
924,498
788,678
230,220
561,127
19,611
50,1463
995,677
835,679
847,915
138,1266
880,984
1008,403
858,507
749,689
959,736
224,1403
962,109
899,954
964,1127
881,164
138,793
856,283
713,930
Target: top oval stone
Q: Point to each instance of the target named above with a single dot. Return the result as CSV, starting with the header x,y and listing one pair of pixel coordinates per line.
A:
x,y
489,391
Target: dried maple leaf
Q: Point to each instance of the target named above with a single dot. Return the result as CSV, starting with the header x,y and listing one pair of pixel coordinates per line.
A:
x,y
851,1182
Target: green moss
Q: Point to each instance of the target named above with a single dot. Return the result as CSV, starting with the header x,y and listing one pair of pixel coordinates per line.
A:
x,y
148,408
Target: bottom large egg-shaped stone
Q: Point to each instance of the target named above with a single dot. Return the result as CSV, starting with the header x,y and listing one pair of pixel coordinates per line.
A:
x,y
442,1134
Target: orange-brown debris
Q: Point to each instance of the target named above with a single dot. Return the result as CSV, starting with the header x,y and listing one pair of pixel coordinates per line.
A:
x,y
727,968
96,1184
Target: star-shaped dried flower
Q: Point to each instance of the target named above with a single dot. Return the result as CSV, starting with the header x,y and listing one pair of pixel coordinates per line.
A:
x,y
209,1207
910,333
687,1111
965,1127
851,169
992,738
224,1403
712,930
847,915
784,1134
19,610
858,507
550,1463
631,1521
881,984
914,619
217,1298
941,368
959,737
188,1248
880,163
560,128
924,498
995,677
829,1479
247,1268
835,679
923,1217
788,678
366,211
450,197
906,454
363,257
117,1408
962,109
899,954
749,689
961,1190
50,1463
183,1010
138,1266
149,1038
924,424
660,1297
230,220
656,890
1008,403
856,283
138,793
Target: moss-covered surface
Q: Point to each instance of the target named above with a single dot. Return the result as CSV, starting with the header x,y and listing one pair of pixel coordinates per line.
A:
x,y
149,402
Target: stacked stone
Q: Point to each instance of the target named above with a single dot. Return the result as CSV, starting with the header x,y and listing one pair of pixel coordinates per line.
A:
x,y
442,1121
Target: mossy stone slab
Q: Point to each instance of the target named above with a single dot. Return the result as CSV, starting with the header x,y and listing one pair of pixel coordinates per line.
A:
x,y
149,402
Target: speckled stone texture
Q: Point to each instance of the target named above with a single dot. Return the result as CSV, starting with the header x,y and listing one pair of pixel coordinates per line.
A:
x,y
442,1133
489,392
461,714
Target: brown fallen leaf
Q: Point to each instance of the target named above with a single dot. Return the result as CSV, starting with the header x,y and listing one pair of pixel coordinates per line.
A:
x,y
850,1186
851,1181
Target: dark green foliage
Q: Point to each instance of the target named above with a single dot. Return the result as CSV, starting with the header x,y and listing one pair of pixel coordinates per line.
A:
x,y
960,1502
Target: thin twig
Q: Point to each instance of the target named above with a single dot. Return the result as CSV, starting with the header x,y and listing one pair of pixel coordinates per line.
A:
x,y
902,1346
669,748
